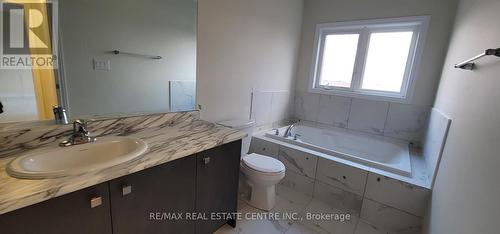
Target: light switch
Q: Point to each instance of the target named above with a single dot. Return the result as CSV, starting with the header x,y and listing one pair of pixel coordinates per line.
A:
x,y
101,65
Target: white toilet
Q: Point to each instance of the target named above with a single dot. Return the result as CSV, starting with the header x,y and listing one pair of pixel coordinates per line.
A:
x,y
261,172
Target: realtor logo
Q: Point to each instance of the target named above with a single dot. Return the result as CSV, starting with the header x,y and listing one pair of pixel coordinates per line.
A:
x,y
29,35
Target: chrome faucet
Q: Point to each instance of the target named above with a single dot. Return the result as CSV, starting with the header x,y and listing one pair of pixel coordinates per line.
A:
x,y
79,136
288,132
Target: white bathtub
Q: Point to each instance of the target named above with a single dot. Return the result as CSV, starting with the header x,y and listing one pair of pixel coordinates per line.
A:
x,y
372,151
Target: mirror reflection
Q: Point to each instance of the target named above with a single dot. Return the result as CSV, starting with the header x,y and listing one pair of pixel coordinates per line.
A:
x,y
113,57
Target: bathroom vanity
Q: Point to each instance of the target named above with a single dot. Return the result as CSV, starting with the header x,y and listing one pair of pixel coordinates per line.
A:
x,y
189,172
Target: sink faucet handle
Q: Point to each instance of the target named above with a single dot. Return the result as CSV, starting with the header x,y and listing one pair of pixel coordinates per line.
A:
x,y
80,134
296,137
80,126
276,131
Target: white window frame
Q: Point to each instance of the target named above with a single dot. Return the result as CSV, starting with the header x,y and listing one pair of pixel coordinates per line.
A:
x,y
418,24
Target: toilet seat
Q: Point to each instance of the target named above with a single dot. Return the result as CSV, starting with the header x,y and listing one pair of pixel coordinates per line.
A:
x,y
263,164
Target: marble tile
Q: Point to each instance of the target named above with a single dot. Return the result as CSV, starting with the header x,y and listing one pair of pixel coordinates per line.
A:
x,y
366,228
263,147
298,182
281,106
306,106
291,202
242,204
298,161
327,225
435,140
368,116
387,218
251,224
298,228
341,176
334,110
182,95
406,122
338,198
403,196
287,201
261,107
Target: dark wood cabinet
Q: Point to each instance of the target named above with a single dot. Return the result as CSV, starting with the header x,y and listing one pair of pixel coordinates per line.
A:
x,y
169,198
217,185
149,201
70,213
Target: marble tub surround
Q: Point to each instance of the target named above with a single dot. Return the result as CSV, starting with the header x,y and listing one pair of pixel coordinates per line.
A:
x,y
383,202
395,120
271,108
419,173
298,162
435,140
169,137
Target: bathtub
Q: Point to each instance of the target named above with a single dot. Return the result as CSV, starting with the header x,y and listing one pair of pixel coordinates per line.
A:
x,y
372,151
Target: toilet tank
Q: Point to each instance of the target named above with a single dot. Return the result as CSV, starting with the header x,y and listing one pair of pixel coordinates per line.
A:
x,y
246,126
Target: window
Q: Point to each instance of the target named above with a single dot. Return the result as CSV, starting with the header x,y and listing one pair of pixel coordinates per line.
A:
x,y
371,58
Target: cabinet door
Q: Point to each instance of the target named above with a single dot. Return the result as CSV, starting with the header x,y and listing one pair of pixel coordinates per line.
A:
x,y
140,202
217,185
85,211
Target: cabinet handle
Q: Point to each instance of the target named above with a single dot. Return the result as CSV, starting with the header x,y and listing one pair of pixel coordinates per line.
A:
x,y
95,202
206,160
126,190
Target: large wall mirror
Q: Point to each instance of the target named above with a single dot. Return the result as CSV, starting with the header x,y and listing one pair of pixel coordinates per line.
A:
x,y
114,57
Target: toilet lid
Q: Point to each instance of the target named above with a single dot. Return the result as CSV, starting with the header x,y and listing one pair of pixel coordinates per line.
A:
x,y
263,163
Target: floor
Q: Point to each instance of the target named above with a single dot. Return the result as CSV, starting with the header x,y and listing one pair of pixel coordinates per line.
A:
x,y
297,206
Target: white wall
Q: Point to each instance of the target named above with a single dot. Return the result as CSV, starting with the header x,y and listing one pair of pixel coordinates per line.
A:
x,y
17,95
92,28
466,194
442,13
242,45
402,121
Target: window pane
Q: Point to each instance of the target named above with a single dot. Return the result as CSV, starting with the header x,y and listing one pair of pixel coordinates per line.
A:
x,y
386,61
339,56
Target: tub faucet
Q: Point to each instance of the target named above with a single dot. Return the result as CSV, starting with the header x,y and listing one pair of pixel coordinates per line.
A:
x,y
60,115
79,136
288,132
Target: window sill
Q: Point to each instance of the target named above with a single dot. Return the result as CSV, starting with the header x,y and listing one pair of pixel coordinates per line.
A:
x,y
363,95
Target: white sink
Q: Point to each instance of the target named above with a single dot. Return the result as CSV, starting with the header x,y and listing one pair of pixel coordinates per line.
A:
x,y
72,160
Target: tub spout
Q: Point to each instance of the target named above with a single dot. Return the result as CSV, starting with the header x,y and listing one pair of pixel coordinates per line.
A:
x,y
288,132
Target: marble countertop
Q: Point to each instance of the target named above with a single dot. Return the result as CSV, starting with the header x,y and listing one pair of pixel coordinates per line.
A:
x,y
166,142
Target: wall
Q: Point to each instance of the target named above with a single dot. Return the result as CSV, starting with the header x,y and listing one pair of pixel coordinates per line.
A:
x,y
390,119
243,46
442,14
17,95
466,192
92,28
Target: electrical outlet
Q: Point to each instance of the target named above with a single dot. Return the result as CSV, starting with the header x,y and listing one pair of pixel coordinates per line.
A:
x,y
101,65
